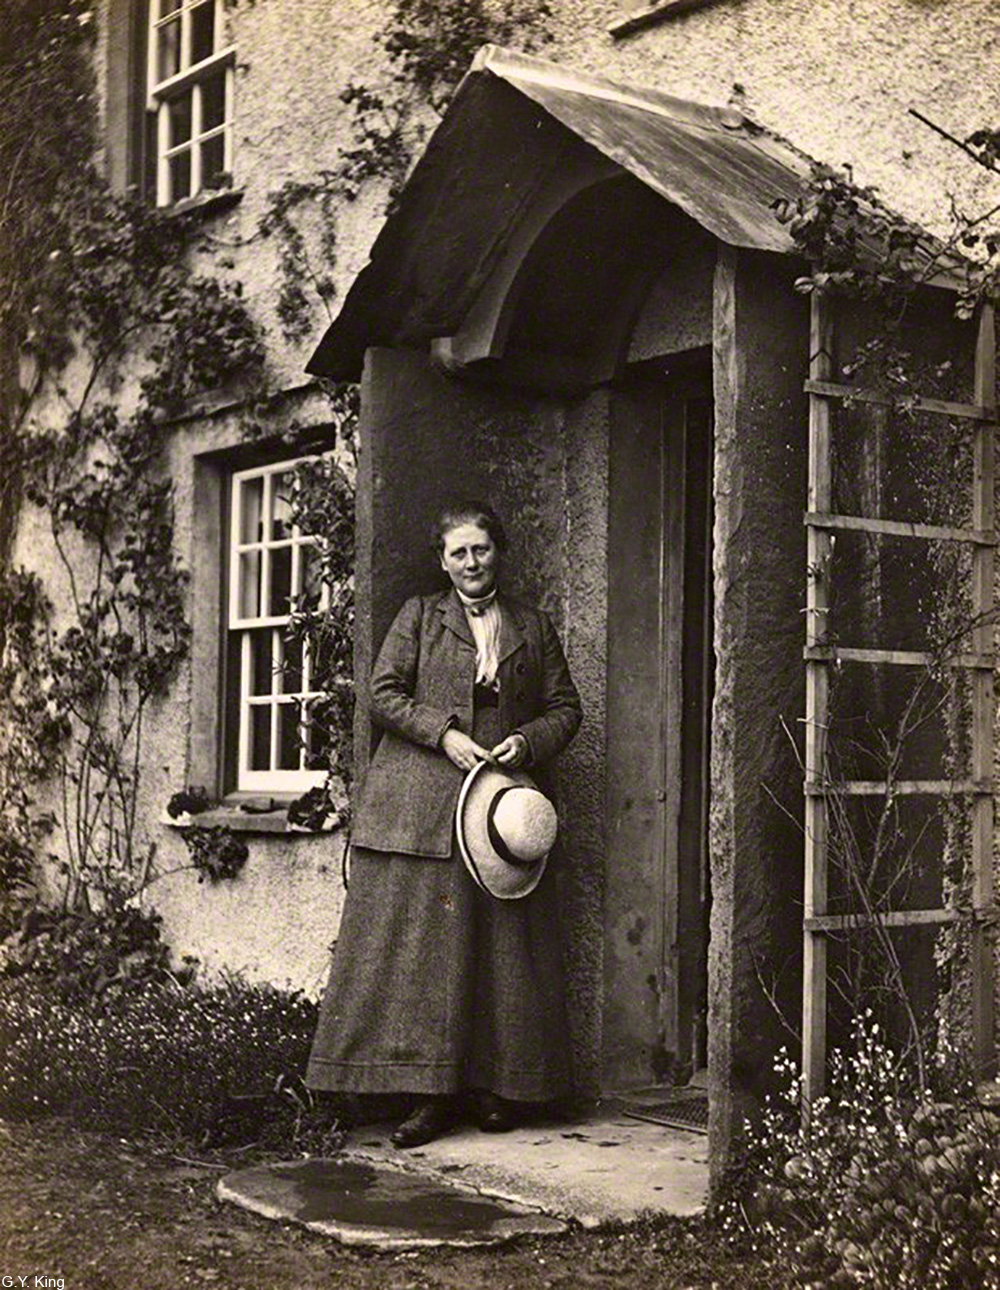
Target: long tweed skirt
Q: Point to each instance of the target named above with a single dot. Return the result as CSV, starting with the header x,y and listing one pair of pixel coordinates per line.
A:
x,y
436,987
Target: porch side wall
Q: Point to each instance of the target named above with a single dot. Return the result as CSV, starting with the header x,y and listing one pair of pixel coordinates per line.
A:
x,y
760,356
427,437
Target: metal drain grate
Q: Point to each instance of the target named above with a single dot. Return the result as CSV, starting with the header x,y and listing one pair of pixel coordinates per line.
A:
x,y
682,1108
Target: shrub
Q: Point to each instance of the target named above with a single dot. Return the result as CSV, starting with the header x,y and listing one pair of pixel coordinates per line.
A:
x,y
879,1187
88,953
141,1049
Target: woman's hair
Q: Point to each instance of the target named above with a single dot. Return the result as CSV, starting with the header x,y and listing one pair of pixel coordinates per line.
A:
x,y
467,511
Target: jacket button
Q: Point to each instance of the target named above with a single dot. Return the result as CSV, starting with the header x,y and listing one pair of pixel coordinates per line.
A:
x,y
519,668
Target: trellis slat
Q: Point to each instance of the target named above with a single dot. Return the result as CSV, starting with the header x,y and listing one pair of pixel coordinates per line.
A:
x,y
819,550
965,411
897,657
983,715
888,918
900,528
900,788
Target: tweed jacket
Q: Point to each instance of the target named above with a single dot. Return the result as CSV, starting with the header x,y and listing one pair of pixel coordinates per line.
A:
x,y
423,681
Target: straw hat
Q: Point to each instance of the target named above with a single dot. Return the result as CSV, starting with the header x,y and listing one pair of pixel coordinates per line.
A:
x,y
506,827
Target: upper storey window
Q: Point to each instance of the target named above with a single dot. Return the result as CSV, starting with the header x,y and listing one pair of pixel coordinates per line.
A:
x,y
190,78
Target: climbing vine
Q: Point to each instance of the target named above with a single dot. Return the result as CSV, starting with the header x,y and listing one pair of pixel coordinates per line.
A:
x,y
103,288
428,45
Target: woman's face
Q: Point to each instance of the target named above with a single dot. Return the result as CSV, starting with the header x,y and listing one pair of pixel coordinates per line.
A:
x,y
470,559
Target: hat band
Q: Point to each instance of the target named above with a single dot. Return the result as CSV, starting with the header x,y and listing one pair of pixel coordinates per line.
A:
x,y
493,833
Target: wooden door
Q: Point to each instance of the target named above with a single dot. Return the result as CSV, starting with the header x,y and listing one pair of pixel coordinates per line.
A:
x,y
659,702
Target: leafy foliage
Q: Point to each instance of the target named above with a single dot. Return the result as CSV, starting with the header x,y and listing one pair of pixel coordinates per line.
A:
x,y
877,1186
216,852
46,98
189,801
36,730
323,619
100,280
91,956
856,246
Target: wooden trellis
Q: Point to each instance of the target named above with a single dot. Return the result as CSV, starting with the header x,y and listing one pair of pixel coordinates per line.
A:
x,y
821,524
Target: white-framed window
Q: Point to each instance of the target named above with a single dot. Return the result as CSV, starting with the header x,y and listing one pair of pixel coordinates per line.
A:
x,y
190,82
273,571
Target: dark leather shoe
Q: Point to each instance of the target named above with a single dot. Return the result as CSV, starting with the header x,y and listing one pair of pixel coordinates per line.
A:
x,y
429,1119
495,1114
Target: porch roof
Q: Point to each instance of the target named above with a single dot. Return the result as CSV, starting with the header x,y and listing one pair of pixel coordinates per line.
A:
x,y
511,119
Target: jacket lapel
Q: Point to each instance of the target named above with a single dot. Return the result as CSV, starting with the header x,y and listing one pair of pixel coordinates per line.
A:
x,y
451,609
511,629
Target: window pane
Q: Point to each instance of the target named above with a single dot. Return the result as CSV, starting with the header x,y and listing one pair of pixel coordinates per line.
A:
x,y
168,41
169,6
180,176
202,31
289,738
281,581
249,585
180,119
281,507
251,494
291,670
213,101
213,160
261,677
260,737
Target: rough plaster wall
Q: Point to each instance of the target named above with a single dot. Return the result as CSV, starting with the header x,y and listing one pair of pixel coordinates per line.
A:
x,y
677,313
582,770
276,919
275,922
544,468
295,58
836,78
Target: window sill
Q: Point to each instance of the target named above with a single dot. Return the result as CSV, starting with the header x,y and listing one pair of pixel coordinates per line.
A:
x,y
258,821
204,205
653,15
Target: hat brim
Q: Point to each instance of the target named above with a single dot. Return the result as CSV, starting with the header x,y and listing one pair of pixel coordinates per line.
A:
x,y
487,868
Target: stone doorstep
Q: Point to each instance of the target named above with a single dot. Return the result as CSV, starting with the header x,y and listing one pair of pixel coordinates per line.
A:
x,y
471,1188
600,1169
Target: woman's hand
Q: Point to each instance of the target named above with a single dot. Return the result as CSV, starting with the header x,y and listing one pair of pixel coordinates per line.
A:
x,y
511,751
461,750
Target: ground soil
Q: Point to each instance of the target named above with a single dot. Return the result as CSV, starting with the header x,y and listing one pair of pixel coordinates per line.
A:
x,y
107,1213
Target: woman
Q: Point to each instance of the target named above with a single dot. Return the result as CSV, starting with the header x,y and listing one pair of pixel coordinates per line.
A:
x,y
436,988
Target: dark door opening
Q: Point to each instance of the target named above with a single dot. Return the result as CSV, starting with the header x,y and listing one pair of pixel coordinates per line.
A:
x,y
660,685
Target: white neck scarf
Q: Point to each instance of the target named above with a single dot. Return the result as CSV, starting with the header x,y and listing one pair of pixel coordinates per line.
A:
x,y
483,616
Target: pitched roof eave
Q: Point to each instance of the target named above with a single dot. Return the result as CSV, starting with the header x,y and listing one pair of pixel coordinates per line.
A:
x,y
513,120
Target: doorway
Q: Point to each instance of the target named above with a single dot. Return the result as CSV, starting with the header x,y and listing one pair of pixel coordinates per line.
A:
x,y
660,684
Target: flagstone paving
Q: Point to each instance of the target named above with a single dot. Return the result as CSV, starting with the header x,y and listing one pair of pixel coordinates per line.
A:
x,y
474,1188
361,1203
